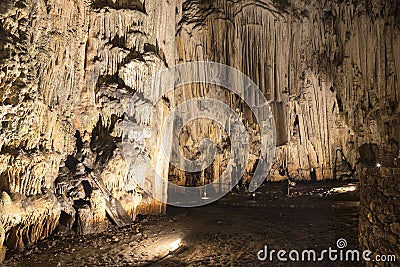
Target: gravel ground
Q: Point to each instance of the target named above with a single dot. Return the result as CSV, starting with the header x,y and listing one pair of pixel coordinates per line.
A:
x,y
229,232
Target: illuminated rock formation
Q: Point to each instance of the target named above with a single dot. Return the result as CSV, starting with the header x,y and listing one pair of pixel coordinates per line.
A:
x,y
68,72
69,69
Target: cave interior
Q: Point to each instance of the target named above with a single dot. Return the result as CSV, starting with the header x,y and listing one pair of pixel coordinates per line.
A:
x,y
115,152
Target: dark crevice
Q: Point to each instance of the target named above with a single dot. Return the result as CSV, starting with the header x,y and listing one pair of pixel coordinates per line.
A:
x,y
102,143
119,4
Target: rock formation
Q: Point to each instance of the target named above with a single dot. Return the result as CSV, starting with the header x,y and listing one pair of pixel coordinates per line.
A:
x,y
69,69
379,227
68,72
329,68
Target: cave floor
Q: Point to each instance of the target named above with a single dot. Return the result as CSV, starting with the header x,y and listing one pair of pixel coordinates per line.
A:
x,y
229,232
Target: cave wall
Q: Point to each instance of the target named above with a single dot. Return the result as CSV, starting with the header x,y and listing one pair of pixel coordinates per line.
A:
x,y
329,68
68,72
69,69
379,227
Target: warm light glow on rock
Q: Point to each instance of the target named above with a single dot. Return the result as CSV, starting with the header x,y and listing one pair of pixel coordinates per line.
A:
x,y
175,245
344,189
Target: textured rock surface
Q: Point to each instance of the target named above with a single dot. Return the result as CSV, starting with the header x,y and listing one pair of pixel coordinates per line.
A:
x,y
331,71
69,69
379,212
68,72
329,68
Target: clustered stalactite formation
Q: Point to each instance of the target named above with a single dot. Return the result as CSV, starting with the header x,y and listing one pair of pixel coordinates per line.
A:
x,y
69,71
332,88
330,70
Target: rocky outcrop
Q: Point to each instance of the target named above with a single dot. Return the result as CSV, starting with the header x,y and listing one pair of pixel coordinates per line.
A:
x,y
68,72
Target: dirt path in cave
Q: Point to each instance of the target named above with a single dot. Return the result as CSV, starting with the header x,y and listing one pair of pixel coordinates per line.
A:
x,y
226,233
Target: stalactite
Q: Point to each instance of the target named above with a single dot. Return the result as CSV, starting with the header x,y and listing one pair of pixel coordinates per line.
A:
x,y
312,62
67,71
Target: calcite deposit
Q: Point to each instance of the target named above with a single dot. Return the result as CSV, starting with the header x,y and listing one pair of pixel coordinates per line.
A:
x,y
329,68
70,70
